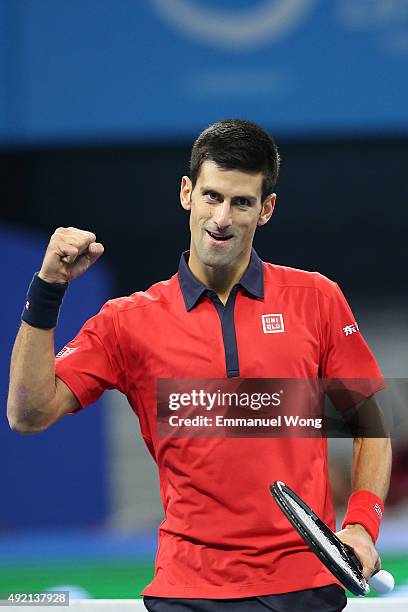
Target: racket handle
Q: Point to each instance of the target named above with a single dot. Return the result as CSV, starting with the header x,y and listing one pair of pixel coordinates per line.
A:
x,y
382,582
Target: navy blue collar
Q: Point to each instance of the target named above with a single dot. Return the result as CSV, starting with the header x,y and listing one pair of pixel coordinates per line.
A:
x,y
191,288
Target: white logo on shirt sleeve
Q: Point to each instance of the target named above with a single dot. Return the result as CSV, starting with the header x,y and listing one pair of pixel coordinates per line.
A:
x,y
350,329
67,350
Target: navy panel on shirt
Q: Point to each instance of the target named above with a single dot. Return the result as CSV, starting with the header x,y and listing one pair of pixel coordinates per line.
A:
x,y
192,290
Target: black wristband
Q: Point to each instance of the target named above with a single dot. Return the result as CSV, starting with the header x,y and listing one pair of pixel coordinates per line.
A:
x,y
43,303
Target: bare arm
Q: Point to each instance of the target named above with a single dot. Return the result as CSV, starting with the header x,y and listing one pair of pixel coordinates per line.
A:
x,y
371,467
372,453
371,470
37,398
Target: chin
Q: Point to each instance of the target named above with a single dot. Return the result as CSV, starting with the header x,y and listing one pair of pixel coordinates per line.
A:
x,y
216,261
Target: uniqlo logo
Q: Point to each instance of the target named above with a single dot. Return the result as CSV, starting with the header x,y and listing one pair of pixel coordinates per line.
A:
x,y
273,323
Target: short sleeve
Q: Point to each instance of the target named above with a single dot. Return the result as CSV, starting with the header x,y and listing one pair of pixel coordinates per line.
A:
x,y
346,353
92,361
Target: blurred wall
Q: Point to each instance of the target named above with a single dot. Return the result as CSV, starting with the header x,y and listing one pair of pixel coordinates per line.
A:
x,y
86,70
341,207
57,478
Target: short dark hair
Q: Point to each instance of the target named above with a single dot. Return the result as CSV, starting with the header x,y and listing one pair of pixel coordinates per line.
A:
x,y
236,144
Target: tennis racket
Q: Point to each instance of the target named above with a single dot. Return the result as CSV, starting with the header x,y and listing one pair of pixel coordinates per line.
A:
x,y
332,552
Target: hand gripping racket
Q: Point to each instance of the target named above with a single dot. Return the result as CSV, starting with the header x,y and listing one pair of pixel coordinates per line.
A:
x,y
336,556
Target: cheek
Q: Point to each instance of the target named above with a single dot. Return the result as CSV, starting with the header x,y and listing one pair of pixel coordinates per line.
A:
x,y
248,233
198,216
248,226
194,221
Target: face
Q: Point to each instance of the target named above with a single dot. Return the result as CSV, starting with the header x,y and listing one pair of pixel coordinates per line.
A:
x,y
225,209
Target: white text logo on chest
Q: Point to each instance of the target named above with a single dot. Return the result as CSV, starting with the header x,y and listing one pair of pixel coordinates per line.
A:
x,y
273,323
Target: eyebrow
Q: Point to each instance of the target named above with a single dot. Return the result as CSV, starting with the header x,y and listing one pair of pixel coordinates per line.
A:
x,y
251,198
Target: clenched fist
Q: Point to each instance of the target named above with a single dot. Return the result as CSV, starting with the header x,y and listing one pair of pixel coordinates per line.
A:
x,y
70,252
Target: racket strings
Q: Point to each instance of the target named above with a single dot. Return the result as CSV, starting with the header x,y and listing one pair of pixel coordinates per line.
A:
x,y
329,548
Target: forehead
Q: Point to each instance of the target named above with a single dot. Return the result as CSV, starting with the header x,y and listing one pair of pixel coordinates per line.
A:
x,y
229,182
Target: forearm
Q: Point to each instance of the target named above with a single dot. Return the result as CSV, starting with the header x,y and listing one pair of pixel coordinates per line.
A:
x,y
30,403
370,472
371,469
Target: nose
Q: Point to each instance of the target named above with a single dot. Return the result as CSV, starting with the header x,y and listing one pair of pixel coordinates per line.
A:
x,y
222,215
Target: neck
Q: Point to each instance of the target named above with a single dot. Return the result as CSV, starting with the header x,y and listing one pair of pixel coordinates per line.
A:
x,y
219,279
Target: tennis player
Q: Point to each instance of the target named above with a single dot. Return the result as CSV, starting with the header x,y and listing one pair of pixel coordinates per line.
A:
x,y
224,544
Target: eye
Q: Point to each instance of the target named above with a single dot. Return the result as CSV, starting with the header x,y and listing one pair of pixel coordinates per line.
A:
x,y
212,196
242,202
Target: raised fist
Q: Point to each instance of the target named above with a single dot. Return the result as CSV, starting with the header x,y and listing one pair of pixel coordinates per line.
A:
x,y
70,252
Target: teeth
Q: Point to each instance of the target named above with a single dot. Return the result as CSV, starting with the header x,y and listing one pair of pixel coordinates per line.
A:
x,y
218,237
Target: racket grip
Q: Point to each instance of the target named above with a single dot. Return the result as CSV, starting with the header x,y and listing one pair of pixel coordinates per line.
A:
x,y
382,582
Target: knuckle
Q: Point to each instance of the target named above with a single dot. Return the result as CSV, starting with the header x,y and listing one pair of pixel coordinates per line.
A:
x,y
68,250
58,233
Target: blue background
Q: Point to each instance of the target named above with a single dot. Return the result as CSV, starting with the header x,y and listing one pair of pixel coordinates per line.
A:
x,y
89,70
57,477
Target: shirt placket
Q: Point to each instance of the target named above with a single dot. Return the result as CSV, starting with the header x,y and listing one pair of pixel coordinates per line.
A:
x,y
226,315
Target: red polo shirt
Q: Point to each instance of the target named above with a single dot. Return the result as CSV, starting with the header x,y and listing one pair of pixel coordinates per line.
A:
x,y
223,536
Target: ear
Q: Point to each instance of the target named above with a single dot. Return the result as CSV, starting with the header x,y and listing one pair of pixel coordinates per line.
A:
x,y
267,209
185,192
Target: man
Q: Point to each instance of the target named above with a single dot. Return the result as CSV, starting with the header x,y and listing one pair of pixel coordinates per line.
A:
x,y
223,544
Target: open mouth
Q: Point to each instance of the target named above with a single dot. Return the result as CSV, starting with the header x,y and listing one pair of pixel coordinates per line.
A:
x,y
219,237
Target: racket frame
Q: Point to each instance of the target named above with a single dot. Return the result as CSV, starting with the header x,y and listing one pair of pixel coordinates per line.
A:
x,y
276,489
